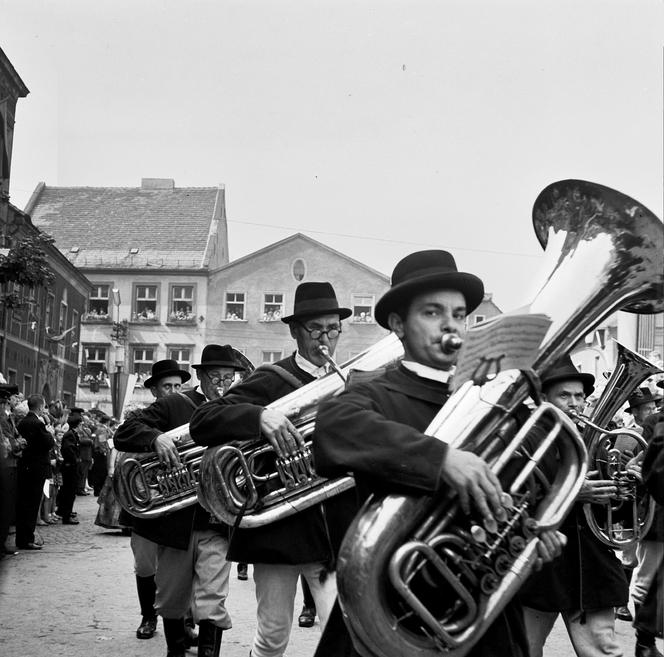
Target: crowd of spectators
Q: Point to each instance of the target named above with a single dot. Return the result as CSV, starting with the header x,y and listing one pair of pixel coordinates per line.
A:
x,y
81,458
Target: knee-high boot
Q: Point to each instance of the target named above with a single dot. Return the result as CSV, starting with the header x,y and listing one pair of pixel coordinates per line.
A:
x,y
209,639
174,631
146,589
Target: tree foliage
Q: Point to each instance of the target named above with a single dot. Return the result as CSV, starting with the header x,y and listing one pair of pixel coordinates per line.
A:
x,y
26,262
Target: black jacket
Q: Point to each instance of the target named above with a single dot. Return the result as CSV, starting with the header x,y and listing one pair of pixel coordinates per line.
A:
x,y
37,454
375,430
137,434
309,536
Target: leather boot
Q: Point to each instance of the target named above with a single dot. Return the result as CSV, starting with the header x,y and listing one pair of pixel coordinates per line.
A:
x,y
190,634
175,638
146,588
209,639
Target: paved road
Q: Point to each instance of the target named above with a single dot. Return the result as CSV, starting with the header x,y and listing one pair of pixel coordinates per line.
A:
x,y
77,598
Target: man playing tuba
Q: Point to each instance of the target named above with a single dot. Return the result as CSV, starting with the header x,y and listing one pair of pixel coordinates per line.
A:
x,y
302,544
375,429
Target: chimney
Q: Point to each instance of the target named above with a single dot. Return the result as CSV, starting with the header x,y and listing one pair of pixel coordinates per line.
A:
x,y
157,183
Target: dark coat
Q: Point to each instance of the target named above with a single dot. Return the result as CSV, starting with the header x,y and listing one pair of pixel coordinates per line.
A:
x,y
37,454
306,537
69,449
375,430
137,435
656,532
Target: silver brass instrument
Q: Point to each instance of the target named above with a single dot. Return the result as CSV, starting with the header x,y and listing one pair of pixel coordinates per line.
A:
x,y
147,489
248,480
609,458
414,576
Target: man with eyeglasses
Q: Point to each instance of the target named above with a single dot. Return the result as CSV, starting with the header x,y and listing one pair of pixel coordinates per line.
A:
x,y
305,543
191,559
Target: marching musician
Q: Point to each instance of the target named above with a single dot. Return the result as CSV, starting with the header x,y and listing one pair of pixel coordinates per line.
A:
x,y
302,544
647,590
166,377
376,429
191,561
587,581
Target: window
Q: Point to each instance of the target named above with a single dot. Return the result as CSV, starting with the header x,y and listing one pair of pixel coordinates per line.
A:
x,y
50,304
27,384
182,304
234,305
273,307
72,340
142,359
63,316
182,355
95,363
11,377
299,269
98,304
479,318
270,357
145,303
363,306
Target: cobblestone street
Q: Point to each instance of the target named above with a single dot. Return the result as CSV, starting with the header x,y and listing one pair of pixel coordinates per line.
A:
x,y
76,597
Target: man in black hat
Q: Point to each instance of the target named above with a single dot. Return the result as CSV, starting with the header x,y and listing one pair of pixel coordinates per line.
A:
x,y
191,563
303,543
376,429
165,378
587,582
641,404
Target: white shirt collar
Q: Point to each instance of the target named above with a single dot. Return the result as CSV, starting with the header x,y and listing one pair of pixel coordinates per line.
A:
x,y
426,372
309,367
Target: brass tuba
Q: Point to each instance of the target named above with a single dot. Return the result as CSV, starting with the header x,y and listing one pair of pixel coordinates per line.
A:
x,y
608,454
247,484
147,489
414,576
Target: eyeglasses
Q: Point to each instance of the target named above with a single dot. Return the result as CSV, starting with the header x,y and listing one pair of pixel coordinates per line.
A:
x,y
215,380
331,332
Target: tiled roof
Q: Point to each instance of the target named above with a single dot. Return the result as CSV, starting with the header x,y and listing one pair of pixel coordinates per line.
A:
x,y
169,227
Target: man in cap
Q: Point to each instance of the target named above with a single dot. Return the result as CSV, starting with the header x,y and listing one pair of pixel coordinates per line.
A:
x,y
376,429
33,469
166,377
191,562
587,582
302,543
641,404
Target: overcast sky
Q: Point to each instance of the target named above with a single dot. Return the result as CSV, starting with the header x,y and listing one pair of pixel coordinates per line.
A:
x,y
377,128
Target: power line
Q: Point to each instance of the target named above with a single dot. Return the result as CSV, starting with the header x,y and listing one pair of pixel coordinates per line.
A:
x,y
382,239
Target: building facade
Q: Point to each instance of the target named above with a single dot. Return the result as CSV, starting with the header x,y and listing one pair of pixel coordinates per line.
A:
x,y
39,325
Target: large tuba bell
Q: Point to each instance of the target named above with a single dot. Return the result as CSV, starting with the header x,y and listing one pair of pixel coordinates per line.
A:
x,y
414,576
147,489
247,484
629,515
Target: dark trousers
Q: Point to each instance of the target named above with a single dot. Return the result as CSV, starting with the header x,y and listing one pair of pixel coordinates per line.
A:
x,y
30,489
67,492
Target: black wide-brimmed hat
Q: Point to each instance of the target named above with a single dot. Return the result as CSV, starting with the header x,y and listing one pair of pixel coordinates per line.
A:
x,y
163,368
563,370
216,355
7,390
313,299
640,397
426,270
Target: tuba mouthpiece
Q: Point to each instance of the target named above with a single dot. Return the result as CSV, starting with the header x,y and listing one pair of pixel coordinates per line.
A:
x,y
450,343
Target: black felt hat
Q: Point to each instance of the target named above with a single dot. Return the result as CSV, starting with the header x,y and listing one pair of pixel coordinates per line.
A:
x,y
314,299
7,390
163,368
427,270
563,370
219,356
640,397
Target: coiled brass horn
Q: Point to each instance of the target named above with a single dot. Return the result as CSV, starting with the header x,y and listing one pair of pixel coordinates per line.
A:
x,y
611,523
414,577
146,488
248,480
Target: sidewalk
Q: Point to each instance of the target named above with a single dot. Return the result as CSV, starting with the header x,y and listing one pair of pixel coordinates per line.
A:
x,y
77,598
